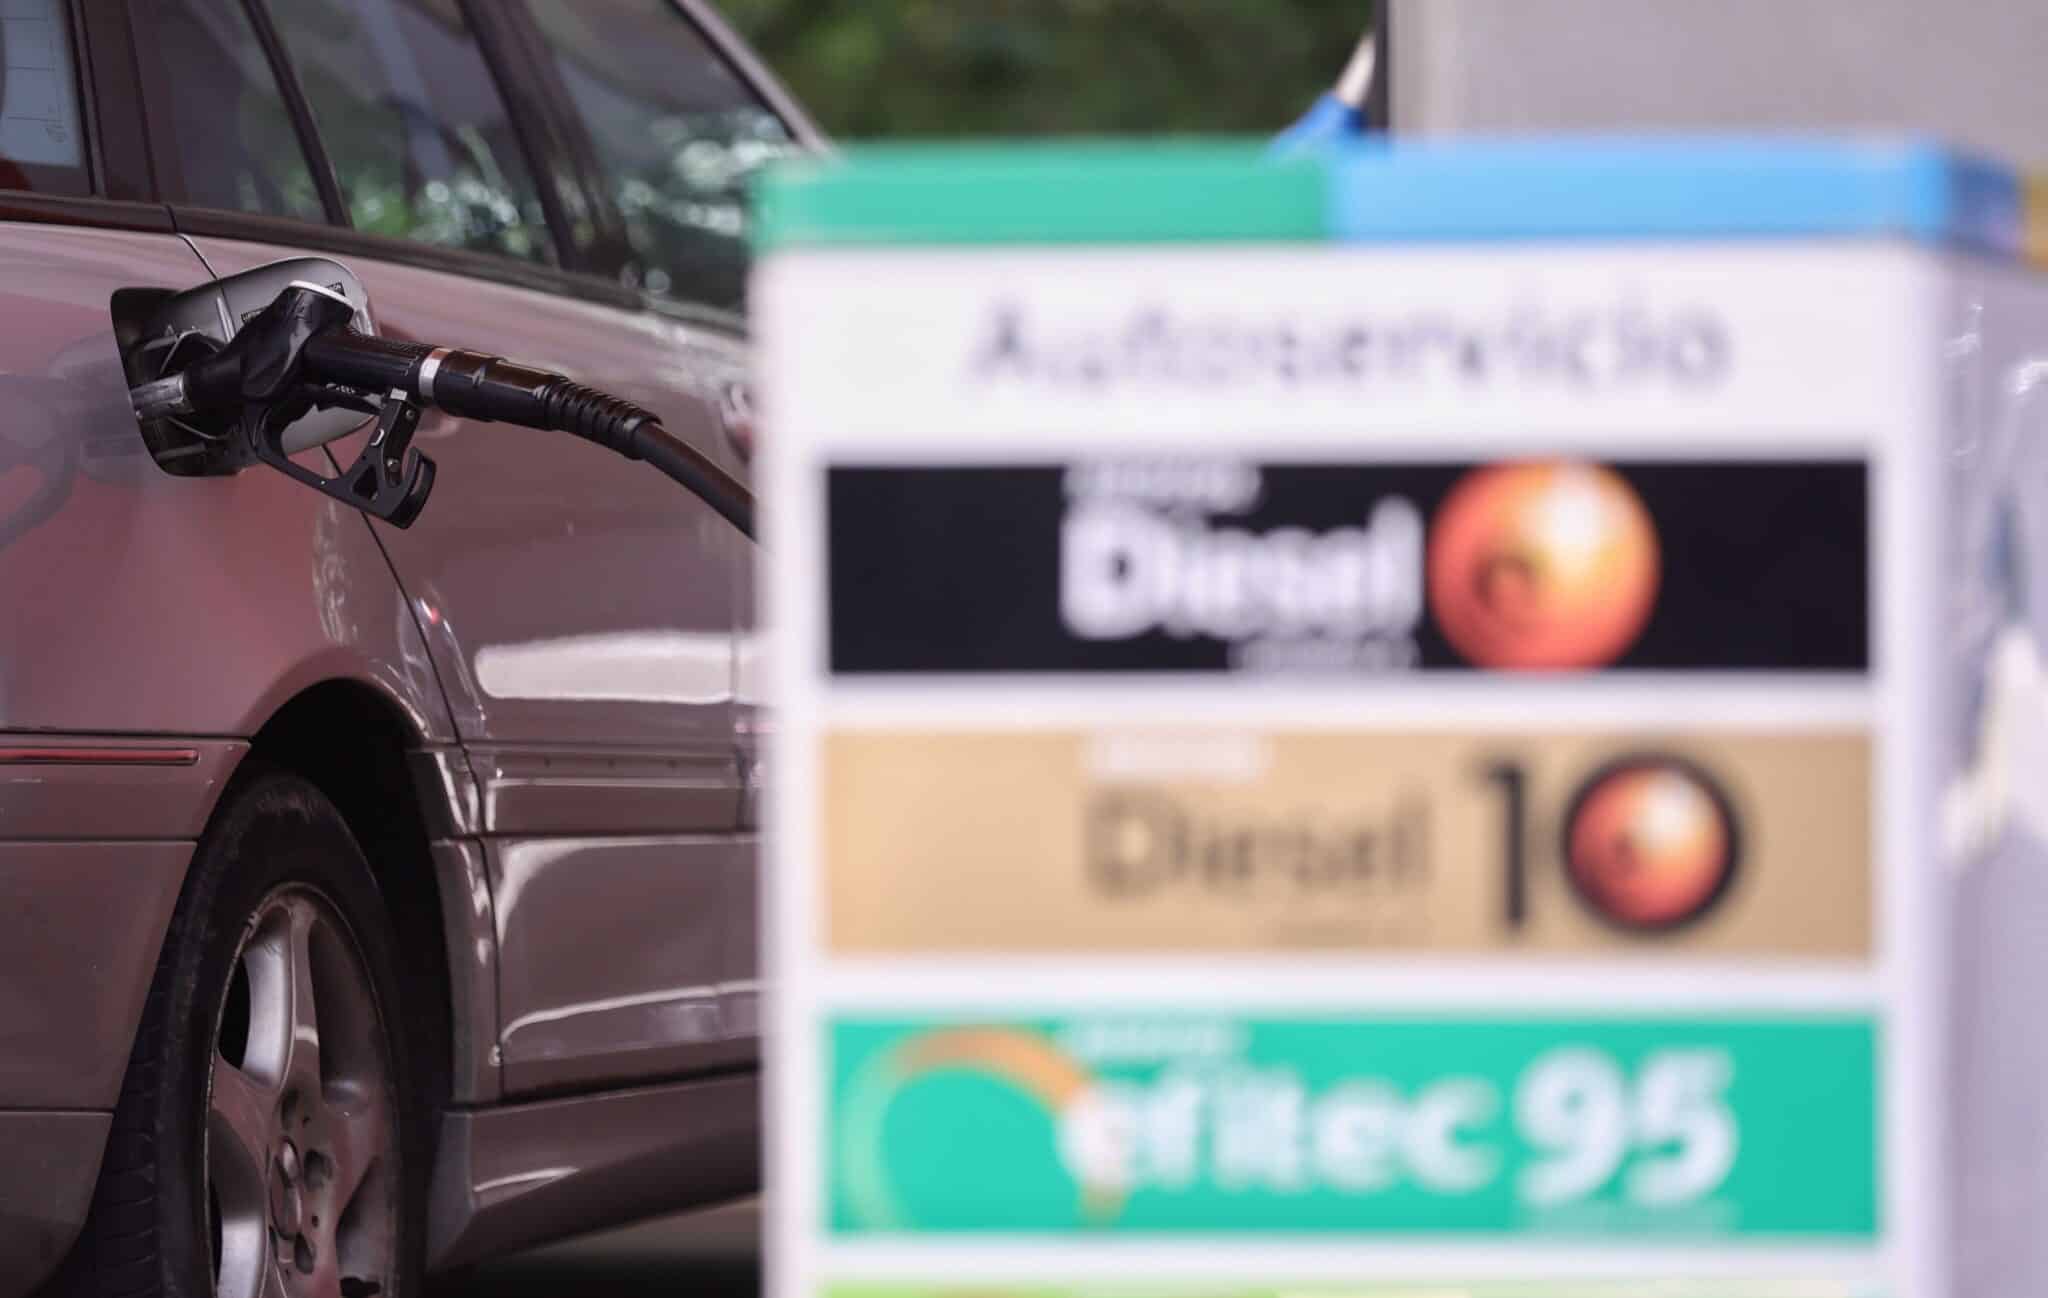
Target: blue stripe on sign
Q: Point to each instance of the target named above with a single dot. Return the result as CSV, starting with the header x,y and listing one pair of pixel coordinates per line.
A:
x,y
1650,187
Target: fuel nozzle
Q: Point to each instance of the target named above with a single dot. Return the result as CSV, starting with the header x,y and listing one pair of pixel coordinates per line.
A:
x,y
261,365
301,351
263,377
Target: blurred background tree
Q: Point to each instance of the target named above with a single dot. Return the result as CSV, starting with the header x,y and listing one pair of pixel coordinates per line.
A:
x,y
1053,67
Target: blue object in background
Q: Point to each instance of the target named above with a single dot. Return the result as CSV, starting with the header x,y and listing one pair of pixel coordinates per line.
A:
x,y
1328,121
1339,115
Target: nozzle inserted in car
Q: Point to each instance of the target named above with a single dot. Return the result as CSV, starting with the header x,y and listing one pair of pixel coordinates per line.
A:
x,y
303,349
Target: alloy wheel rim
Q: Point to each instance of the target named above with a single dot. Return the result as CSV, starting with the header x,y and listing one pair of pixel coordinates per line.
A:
x,y
301,1139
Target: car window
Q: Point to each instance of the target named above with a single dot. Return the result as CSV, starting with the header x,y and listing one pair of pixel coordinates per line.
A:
x,y
41,147
677,132
413,123
222,120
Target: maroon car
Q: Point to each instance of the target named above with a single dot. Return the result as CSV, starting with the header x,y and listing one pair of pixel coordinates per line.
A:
x,y
371,899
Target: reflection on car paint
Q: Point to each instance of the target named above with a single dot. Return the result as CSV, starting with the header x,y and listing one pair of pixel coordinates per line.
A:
x,y
625,666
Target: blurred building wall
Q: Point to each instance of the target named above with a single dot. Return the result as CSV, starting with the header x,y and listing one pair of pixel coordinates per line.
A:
x,y
1973,71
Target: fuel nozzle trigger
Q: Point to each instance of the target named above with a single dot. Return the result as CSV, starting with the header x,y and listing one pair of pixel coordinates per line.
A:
x,y
263,373
389,478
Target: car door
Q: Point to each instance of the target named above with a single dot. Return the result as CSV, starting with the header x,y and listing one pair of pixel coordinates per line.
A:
x,y
580,609
666,115
100,564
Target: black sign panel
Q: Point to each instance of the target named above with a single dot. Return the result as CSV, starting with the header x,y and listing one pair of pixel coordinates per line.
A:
x,y
1205,566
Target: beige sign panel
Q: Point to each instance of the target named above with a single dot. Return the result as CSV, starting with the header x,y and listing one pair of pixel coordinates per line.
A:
x,y
1537,843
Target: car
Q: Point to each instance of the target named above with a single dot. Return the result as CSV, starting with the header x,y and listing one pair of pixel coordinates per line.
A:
x,y
372,899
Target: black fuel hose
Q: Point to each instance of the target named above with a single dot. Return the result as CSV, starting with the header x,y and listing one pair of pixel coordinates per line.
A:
x,y
471,385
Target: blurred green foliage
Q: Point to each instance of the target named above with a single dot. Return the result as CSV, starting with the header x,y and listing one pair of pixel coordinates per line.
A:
x,y
1052,67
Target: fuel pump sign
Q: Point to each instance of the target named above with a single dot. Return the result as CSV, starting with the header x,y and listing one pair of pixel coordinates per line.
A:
x,y
1457,720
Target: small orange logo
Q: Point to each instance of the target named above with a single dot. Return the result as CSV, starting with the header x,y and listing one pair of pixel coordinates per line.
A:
x,y
1542,566
1650,842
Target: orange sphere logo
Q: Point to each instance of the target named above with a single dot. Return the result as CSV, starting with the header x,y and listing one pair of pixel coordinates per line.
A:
x,y
1650,842
1542,566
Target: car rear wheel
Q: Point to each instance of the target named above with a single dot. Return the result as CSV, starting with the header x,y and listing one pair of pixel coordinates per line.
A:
x,y
266,1144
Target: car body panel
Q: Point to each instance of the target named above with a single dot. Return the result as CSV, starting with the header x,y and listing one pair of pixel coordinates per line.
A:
x,y
468,925
529,790
133,601
527,1173
48,1163
144,615
62,787
80,927
581,613
596,982
527,567
98,832
739,997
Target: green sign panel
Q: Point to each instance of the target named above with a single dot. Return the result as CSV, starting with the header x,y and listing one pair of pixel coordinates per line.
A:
x,y
1717,1128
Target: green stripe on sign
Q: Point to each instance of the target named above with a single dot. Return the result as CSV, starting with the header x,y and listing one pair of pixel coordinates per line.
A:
x,y
1106,193
1697,1129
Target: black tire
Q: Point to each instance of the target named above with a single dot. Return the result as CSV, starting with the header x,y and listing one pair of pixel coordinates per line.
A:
x,y
153,1228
